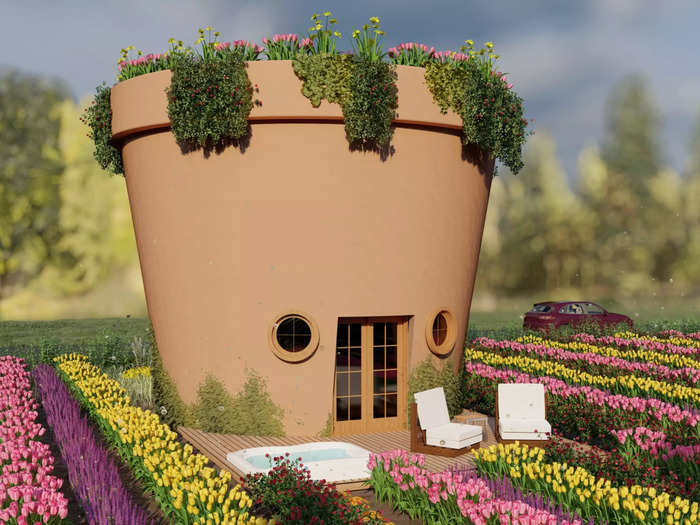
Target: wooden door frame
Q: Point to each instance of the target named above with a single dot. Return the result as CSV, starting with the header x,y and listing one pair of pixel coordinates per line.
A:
x,y
368,424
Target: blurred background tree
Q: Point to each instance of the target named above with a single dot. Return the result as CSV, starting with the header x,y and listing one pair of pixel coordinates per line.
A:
x,y
30,172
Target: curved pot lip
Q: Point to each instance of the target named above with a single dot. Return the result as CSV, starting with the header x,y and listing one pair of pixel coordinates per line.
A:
x,y
140,103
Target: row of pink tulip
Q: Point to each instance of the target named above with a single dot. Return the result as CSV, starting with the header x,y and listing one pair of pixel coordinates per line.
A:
x,y
691,375
655,407
638,342
450,496
676,333
28,491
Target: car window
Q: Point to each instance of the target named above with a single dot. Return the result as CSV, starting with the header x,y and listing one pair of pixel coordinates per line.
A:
x,y
541,308
593,309
573,308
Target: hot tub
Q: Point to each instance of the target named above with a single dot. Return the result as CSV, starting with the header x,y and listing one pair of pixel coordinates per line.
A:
x,y
333,461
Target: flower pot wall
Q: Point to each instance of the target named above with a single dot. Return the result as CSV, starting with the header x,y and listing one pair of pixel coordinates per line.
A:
x,y
297,222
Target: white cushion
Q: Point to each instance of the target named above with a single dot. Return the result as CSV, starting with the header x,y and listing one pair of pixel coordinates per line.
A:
x,y
432,408
524,425
524,436
521,401
454,432
451,443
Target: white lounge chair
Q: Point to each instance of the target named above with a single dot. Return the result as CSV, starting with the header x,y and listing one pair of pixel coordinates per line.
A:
x,y
436,435
521,414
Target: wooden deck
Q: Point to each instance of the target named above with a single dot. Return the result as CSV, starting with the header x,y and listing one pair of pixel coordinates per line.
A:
x,y
217,446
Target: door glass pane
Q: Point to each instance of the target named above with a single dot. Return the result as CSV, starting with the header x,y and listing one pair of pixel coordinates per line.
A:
x,y
391,356
379,382
341,408
390,333
355,334
378,406
341,360
355,359
355,407
355,383
391,380
379,333
341,385
342,339
378,358
391,405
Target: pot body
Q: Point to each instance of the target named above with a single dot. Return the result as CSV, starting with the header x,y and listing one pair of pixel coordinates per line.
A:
x,y
297,221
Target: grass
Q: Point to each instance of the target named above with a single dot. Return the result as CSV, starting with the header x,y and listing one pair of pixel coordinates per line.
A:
x,y
68,331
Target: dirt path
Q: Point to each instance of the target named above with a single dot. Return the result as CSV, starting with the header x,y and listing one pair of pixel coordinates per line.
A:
x,y
398,518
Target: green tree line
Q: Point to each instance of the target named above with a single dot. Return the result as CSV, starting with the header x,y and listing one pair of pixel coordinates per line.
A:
x,y
627,225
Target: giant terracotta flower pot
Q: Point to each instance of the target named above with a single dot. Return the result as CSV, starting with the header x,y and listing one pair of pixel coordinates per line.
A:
x,y
377,258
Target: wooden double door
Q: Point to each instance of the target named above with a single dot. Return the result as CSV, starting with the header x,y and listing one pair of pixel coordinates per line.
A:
x,y
370,386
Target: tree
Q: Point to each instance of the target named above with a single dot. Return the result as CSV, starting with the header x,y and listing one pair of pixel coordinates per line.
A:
x,y
541,226
631,148
30,170
632,158
94,221
687,269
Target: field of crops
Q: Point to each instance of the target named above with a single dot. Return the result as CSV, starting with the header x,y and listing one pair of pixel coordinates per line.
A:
x,y
632,400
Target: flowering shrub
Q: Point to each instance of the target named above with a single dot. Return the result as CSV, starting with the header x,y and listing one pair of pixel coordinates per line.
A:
x,y
186,489
288,493
92,473
578,489
29,493
450,496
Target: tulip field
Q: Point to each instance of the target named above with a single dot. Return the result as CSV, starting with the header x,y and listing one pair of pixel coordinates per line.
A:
x,y
625,448
632,401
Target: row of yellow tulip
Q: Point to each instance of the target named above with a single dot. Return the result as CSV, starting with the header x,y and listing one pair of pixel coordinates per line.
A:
x,y
674,340
643,355
626,384
577,489
188,491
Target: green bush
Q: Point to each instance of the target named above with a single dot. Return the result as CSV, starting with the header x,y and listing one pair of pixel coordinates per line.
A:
x,y
209,100
168,404
251,412
425,376
492,114
99,117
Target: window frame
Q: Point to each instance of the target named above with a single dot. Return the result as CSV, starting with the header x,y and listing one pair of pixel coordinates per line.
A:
x,y
286,355
450,337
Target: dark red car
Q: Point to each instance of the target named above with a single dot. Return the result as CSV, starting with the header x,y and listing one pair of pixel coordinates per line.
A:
x,y
555,314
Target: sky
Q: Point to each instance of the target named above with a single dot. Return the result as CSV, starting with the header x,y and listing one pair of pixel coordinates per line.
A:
x,y
563,57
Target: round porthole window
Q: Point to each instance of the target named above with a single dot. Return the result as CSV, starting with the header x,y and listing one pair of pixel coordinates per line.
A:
x,y
294,336
440,332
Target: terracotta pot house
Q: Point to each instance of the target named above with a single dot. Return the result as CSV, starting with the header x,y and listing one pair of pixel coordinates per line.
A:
x,y
331,272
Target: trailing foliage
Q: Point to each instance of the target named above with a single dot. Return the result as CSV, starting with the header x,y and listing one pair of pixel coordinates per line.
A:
x,y
366,91
425,376
209,100
492,114
325,76
99,117
373,102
